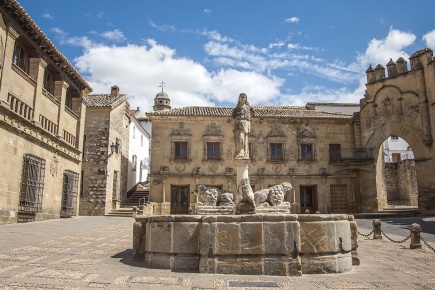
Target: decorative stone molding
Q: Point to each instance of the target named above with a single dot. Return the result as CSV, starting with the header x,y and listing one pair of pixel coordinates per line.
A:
x,y
213,130
275,131
181,131
261,171
196,170
164,170
229,171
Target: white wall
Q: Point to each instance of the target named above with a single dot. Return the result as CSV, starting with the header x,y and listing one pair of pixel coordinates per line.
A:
x,y
139,145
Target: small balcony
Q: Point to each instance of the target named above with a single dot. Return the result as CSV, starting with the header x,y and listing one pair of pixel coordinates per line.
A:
x,y
351,155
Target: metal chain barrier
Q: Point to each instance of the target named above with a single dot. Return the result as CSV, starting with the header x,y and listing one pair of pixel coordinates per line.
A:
x,y
367,236
427,244
397,242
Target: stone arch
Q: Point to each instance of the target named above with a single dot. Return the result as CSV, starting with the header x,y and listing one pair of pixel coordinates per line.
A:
x,y
424,165
398,129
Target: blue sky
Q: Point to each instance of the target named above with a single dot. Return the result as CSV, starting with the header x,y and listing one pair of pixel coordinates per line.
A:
x,y
278,52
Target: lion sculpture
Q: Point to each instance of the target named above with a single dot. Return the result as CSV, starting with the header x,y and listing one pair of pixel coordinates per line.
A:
x,y
245,202
212,196
272,196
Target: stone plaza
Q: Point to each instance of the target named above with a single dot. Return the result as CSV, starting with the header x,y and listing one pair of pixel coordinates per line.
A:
x,y
96,253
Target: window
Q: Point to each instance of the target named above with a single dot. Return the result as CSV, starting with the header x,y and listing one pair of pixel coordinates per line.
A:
x,y
395,157
69,193
134,132
276,152
307,152
133,162
213,150
21,57
68,101
141,140
334,152
32,183
48,83
394,137
180,150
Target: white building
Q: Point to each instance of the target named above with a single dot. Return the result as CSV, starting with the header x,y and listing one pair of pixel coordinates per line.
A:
x,y
139,150
396,149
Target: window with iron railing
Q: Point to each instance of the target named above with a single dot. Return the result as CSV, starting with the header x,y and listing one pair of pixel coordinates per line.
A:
x,y
334,152
32,183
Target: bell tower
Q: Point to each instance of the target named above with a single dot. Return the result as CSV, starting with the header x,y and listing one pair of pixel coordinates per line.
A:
x,y
162,100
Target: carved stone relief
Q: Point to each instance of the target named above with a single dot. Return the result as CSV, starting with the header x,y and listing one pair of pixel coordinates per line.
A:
x,y
181,131
213,167
54,166
306,132
229,154
277,168
260,138
180,167
275,131
388,107
213,130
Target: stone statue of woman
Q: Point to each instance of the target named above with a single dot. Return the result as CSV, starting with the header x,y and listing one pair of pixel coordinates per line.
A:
x,y
242,127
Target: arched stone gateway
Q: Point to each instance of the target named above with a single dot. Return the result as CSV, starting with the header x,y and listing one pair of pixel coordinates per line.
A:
x,y
401,105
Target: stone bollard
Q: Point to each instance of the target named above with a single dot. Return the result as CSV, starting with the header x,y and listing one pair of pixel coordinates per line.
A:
x,y
307,211
354,239
415,236
135,212
377,234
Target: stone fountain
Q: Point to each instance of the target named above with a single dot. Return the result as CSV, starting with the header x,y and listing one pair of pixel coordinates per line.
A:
x,y
247,232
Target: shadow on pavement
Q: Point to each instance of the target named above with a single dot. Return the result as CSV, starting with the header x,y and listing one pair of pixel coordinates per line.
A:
x,y
127,258
427,224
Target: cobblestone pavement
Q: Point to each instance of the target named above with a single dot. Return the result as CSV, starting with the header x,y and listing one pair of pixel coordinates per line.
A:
x,y
95,253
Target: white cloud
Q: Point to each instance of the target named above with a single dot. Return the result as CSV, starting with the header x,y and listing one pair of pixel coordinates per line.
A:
x,y
138,70
276,44
214,35
115,35
47,15
379,51
294,19
430,39
164,27
207,11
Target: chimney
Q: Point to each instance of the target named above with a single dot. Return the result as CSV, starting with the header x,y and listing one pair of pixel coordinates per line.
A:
x,y
114,91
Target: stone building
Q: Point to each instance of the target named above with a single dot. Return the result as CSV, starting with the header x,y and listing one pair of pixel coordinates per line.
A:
x,y
42,108
332,159
105,156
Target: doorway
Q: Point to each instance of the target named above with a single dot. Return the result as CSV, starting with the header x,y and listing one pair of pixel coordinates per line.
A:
x,y
308,197
179,199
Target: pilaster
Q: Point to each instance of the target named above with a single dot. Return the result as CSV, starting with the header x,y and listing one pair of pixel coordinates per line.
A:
x,y
11,36
60,88
36,71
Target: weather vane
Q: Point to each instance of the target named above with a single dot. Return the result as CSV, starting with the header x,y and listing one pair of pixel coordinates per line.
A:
x,y
162,84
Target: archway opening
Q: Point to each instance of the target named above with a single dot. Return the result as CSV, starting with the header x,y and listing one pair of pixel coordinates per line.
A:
x,y
396,177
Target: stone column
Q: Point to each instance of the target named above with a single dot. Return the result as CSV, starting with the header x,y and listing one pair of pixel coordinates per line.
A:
x,y
11,36
60,88
242,166
36,71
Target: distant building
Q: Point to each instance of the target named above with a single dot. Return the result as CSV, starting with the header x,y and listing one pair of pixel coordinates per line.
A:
x,y
105,158
139,150
343,108
42,113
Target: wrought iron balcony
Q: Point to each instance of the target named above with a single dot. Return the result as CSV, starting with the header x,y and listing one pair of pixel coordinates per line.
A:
x,y
351,154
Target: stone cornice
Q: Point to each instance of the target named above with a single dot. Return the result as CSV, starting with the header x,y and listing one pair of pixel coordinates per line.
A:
x,y
20,16
26,129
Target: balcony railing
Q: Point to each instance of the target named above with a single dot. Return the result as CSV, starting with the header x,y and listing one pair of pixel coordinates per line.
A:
x,y
351,154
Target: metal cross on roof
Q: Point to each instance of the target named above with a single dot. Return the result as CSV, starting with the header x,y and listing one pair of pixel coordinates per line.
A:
x,y
162,84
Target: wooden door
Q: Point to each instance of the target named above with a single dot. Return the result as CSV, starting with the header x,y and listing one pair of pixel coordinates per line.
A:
x,y
338,198
179,199
308,198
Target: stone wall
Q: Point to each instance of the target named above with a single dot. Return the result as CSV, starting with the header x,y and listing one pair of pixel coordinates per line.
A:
x,y
277,244
104,127
401,180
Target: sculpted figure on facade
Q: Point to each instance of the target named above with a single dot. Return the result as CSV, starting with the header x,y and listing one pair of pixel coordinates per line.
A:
x,y
212,196
245,200
242,127
274,195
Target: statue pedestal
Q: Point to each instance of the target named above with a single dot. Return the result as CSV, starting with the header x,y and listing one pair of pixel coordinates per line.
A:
x,y
242,166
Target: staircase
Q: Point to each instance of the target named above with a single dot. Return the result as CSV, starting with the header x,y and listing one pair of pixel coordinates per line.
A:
x,y
139,193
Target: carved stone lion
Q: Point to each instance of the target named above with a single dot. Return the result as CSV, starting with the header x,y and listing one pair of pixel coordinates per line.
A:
x,y
212,196
272,196
245,197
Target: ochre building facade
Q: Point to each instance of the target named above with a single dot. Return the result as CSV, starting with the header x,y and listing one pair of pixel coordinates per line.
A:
x,y
42,113
331,159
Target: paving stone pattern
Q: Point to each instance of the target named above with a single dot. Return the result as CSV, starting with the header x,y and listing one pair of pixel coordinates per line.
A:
x,y
96,253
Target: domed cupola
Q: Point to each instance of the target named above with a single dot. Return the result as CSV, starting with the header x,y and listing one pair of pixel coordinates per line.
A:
x,y
162,100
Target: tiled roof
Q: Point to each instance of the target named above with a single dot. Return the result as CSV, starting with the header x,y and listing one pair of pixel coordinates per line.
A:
x,y
334,104
259,111
29,26
105,100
